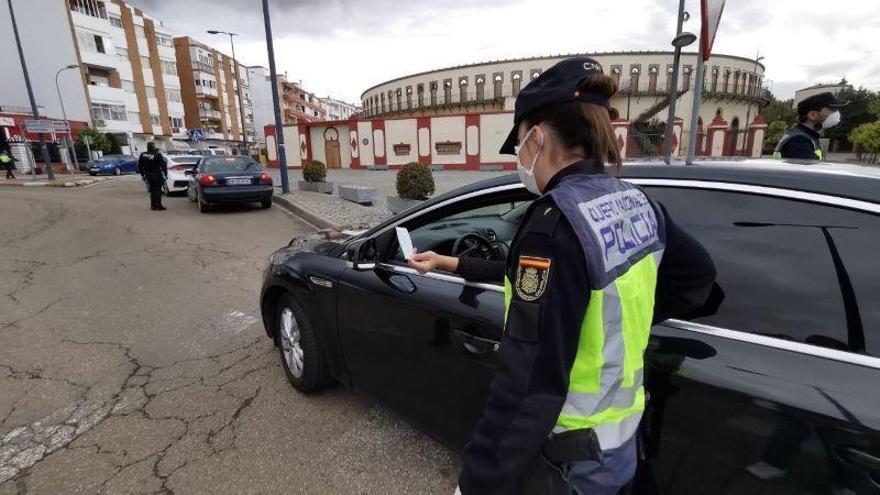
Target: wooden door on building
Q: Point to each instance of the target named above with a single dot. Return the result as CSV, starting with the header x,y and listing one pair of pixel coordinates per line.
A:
x,y
331,148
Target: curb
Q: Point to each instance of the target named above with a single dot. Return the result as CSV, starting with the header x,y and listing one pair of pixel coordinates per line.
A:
x,y
59,183
317,221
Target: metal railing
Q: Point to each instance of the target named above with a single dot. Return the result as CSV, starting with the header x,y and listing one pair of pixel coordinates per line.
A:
x,y
209,114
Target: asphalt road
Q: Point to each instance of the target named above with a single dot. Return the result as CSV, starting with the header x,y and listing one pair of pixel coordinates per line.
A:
x,y
132,359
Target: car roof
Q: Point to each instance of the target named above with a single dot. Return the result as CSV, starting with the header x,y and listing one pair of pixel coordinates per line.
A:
x,y
847,180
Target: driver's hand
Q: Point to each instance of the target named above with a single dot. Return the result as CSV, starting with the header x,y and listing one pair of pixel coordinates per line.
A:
x,y
424,262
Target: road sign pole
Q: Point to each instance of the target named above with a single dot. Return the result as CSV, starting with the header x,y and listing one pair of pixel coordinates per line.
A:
x,y
27,82
695,112
279,128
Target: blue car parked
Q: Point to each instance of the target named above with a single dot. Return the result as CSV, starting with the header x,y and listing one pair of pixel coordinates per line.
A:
x,y
113,165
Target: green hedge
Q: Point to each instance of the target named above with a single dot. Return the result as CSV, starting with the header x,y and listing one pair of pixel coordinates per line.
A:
x,y
414,181
314,171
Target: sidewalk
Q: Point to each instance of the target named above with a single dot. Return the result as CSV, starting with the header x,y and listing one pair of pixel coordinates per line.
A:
x,y
61,180
326,211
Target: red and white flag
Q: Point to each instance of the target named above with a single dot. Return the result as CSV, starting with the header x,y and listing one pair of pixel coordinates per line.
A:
x,y
711,13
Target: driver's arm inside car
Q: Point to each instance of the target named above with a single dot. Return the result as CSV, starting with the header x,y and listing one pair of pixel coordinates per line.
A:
x,y
480,270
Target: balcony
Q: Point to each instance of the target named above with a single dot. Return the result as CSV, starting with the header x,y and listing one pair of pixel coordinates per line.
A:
x,y
214,135
205,92
106,94
209,114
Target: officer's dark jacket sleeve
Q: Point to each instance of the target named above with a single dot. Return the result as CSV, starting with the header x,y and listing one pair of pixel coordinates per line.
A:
x,y
164,163
141,169
685,279
535,358
480,270
799,148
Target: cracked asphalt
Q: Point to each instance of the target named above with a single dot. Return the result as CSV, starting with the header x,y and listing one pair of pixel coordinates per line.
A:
x,y
133,360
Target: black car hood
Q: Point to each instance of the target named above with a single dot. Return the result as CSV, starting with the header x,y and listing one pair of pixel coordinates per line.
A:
x,y
327,242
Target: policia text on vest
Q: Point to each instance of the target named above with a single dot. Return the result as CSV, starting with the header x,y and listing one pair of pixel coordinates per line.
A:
x,y
594,263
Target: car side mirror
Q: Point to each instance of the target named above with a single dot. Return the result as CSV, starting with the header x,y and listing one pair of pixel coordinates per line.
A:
x,y
361,255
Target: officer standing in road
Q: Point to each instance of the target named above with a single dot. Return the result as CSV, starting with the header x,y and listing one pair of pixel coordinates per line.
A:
x,y
154,169
8,163
815,113
594,263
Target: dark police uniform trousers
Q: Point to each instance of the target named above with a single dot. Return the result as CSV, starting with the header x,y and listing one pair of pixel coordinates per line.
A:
x,y
154,168
509,450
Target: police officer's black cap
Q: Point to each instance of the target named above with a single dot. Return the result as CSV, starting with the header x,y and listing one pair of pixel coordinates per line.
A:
x,y
818,102
557,84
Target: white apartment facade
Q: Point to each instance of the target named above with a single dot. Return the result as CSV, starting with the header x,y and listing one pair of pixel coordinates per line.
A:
x,y
131,74
338,109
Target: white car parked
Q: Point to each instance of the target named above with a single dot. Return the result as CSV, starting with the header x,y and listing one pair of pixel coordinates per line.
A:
x,y
177,180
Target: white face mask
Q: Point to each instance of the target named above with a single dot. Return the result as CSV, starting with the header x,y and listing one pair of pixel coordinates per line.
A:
x,y
832,120
527,176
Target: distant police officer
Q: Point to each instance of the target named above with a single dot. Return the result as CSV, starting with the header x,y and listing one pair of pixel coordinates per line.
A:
x,y
154,169
7,163
815,113
594,263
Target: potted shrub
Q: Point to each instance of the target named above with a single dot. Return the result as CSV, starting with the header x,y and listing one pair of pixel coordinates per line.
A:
x,y
314,173
414,185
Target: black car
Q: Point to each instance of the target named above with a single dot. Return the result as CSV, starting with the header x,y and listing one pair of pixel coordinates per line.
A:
x,y
229,179
777,392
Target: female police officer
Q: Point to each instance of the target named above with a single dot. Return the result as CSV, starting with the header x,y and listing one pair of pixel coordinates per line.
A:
x,y
593,264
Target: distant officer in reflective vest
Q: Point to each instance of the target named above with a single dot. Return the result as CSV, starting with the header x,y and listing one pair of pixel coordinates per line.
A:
x,y
815,113
7,163
593,264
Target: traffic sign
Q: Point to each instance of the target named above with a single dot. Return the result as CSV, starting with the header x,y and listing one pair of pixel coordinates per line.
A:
x,y
39,126
196,135
61,126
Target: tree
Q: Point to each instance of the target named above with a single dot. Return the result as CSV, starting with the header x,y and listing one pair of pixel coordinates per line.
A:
x,y
854,114
774,133
114,144
780,111
866,139
874,107
99,142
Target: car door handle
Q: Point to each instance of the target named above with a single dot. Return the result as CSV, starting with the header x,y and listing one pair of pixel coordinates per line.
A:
x,y
476,345
862,459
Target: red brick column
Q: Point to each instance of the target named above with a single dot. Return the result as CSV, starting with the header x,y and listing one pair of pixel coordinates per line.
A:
x,y
305,143
757,132
716,133
379,125
424,155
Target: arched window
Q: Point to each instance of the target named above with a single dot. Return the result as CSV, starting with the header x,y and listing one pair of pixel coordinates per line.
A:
x,y
462,89
669,70
409,97
714,79
516,77
481,83
536,73
447,91
498,82
652,77
634,72
420,92
615,73
726,80
686,80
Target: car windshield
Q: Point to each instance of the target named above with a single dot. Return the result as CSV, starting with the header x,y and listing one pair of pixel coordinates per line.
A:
x,y
229,164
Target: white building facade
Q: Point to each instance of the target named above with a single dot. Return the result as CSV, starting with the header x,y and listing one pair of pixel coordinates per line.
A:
x,y
338,109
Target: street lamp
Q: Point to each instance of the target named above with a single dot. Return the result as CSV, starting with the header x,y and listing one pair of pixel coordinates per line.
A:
x,y
238,81
681,40
749,102
64,114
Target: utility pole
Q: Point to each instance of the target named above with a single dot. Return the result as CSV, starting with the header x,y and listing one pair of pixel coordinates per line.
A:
x,y
27,82
681,40
749,97
238,82
695,114
69,140
279,128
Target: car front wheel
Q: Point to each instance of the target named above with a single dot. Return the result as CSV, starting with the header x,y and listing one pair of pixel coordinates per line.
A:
x,y
302,357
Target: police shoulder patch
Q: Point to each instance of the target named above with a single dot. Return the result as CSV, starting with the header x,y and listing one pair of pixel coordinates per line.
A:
x,y
532,276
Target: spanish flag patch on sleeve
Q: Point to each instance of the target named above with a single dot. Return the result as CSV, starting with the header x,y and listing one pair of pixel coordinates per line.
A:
x,y
532,275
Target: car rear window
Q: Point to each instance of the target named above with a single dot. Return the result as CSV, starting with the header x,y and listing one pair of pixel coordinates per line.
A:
x,y
229,164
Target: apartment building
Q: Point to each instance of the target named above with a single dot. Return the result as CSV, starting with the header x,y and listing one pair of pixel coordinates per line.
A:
x,y
338,109
131,74
215,92
300,105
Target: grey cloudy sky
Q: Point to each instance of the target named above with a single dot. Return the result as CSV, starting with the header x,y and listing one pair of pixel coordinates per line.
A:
x,y
342,47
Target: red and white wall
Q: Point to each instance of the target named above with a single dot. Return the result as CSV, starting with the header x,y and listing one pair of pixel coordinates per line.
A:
x,y
456,142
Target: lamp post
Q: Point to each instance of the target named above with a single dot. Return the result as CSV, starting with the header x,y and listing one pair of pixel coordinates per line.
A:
x,y
749,101
273,76
64,114
681,40
27,82
238,81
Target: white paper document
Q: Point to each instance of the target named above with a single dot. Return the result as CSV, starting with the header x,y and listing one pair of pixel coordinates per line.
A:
x,y
405,242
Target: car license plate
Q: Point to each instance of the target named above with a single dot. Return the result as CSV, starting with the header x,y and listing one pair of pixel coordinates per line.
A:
x,y
238,181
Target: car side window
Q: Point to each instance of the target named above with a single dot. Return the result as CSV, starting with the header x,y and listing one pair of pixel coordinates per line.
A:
x,y
481,228
792,270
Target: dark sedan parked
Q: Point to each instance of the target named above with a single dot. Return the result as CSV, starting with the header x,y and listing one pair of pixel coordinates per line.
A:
x,y
113,165
229,179
776,392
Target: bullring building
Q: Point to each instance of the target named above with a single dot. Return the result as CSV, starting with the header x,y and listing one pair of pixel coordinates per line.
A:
x,y
457,117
